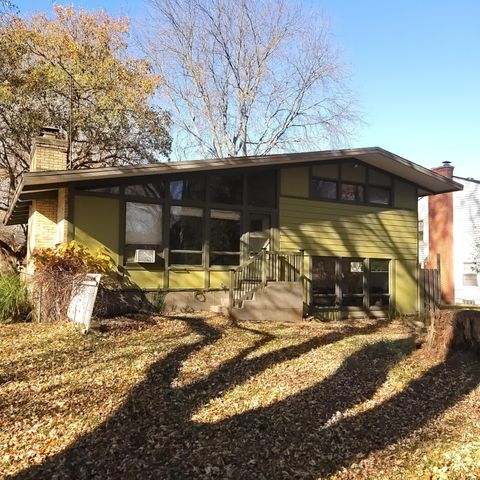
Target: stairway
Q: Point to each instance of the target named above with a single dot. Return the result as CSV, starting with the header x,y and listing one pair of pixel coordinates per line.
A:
x,y
276,302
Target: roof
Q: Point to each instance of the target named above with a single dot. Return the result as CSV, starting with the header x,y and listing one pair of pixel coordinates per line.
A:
x,y
40,183
466,179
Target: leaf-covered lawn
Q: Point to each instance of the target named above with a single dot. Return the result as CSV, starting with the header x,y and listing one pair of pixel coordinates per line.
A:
x,y
191,396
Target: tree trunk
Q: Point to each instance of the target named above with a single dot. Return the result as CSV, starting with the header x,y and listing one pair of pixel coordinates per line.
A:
x,y
452,331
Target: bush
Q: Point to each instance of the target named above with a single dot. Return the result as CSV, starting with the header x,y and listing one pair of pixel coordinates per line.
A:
x,y
59,271
14,303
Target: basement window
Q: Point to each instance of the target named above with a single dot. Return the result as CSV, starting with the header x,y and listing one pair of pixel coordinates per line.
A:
x,y
350,282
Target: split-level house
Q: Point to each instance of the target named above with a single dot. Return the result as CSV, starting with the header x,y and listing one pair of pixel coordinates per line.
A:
x,y
449,228
334,231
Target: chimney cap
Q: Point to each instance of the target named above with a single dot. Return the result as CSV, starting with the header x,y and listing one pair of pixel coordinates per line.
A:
x,y
50,131
447,163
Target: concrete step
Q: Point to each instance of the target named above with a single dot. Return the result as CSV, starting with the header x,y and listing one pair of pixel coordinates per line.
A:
x,y
277,302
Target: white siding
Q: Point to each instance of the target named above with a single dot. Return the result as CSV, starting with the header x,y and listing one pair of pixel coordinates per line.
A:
x,y
466,233
423,250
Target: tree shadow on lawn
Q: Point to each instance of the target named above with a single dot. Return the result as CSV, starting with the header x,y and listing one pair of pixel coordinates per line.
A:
x,y
153,435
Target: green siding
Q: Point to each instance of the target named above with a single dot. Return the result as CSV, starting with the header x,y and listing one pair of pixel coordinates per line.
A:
x,y
96,223
340,230
295,181
405,195
186,279
145,278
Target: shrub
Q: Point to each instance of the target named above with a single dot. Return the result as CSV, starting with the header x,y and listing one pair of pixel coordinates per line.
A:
x,y
59,271
14,303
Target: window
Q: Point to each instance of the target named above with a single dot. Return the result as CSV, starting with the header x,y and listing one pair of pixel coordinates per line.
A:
x,y
470,276
378,195
361,283
226,188
262,189
146,190
352,282
351,181
323,281
352,193
188,189
224,237
378,284
186,235
259,232
143,228
324,189
420,230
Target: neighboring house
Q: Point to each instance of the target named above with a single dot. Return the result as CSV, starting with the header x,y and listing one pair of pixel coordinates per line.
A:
x,y
345,220
449,225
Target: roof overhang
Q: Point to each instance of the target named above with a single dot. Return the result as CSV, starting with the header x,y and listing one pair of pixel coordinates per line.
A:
x,y
37,184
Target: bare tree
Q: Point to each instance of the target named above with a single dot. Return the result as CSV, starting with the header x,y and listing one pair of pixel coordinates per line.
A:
x,y
248,77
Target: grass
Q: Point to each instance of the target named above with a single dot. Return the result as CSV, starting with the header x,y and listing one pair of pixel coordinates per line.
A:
x,y
196,397
14,305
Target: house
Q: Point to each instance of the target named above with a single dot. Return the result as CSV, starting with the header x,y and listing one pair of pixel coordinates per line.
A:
x,y
449,226
336,229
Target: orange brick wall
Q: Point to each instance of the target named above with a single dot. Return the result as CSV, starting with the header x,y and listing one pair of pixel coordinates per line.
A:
x,y
440,224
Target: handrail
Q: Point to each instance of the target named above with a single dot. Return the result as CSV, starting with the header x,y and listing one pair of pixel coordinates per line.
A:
x,y
267,266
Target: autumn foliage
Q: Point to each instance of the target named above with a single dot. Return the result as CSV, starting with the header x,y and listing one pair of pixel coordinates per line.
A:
x,y
74,71
59,271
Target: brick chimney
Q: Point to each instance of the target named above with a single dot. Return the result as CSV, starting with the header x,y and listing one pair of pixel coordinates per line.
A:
x,y
440,226
49,151
47,223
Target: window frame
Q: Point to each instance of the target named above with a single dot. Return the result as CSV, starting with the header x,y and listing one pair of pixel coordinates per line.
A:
x,y
159,248
366,280
340,181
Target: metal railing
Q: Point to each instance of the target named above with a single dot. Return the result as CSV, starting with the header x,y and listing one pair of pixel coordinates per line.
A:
x,y
267,266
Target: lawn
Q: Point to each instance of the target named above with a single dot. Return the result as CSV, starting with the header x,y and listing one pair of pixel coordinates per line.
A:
x,y
189,396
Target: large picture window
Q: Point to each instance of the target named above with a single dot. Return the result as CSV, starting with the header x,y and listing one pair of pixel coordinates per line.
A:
x,y
186,235
143,228
224,237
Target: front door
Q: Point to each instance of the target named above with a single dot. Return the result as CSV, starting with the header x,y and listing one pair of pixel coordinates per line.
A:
x,y
259,232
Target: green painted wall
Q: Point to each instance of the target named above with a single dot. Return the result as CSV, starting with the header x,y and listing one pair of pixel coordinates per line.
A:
x,y
294,181
217,278
187,279
148,279
340,230
96,223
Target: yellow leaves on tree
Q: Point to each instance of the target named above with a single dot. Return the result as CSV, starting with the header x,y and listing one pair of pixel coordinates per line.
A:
x,y
75,71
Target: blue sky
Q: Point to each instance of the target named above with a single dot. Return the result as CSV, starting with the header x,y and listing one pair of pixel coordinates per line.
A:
x,y
415,69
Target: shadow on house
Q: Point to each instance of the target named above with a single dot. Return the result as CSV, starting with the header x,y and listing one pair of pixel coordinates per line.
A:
x,y
153,435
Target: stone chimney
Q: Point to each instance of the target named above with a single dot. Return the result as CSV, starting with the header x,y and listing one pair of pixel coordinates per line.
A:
x,y
440,227
47,223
